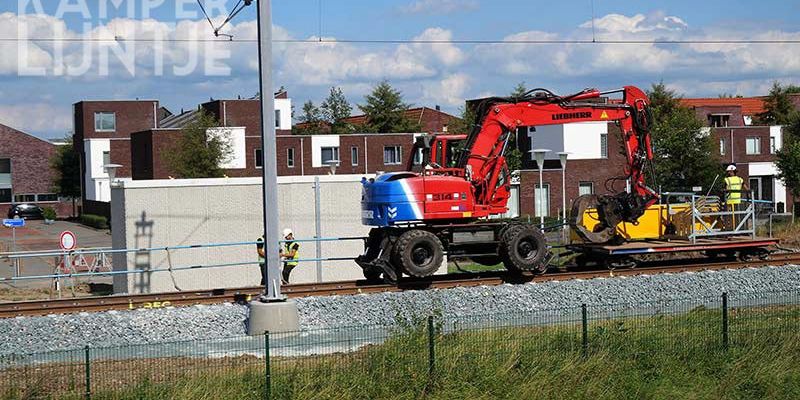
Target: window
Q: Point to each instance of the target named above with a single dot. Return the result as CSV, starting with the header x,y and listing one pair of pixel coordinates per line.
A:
x,y
603,145
772,148
722,146
330,154
753,145
106,160
290,157
259,159
542,200
105,121
46,197
5,195
24,198
5,172
392,155
718,120
354,155
277,118
585,188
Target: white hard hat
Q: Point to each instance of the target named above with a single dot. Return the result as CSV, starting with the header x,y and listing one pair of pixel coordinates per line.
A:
x,y
731,168
287,232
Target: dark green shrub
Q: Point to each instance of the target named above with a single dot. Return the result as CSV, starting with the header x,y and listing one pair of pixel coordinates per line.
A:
x,y
95,221
49,213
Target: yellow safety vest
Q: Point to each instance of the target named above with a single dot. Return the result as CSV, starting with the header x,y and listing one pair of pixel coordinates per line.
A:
x,y
289,247
734,186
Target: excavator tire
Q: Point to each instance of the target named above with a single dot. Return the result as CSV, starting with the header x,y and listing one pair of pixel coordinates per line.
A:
x,y
523,248
419,253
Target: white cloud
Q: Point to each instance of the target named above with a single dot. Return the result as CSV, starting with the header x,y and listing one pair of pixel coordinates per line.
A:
x,y
637,23
447,53
439,6
36,118
450,90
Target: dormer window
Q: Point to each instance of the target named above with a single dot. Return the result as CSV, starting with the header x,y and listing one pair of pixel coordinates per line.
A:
x,y
718,120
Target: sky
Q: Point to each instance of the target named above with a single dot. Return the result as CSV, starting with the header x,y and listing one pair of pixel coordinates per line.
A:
x,y
41,79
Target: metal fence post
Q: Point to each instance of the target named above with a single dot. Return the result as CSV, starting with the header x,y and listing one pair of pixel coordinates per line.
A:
x,y
725,320
584,330
431,348
267,369
88,372
318,227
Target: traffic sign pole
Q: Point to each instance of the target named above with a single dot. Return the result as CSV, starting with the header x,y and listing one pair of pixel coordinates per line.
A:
x,y
14,223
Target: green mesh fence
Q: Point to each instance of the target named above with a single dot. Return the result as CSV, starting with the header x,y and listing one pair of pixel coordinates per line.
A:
x,y
414,358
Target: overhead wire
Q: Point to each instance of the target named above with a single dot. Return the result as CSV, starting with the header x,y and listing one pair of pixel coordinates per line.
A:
x,y
403,41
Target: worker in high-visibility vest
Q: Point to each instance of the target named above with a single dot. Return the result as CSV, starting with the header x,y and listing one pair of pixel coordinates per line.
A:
x,y
289,253
734,186
262,265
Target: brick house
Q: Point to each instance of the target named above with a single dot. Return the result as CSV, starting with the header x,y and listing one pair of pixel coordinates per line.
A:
x,y
26,175
104,130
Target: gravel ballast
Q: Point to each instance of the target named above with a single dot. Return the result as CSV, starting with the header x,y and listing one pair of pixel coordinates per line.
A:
x,y
37,334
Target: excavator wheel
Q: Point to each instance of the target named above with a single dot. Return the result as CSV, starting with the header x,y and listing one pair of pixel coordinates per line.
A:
x,y
419,253
523,248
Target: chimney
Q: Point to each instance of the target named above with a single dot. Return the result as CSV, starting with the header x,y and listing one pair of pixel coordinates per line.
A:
x,y
438,108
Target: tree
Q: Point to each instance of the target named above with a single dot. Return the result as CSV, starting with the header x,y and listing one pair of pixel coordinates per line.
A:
x,y
788,157
67,167
335,109
519,90
778,106
464,124
312,118
385,110
200,150
683,149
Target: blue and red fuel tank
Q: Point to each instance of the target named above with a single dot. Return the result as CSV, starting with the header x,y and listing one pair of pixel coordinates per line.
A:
x,y
402,197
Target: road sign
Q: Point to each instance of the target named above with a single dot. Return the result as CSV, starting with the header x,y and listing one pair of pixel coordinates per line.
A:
x,y
67,241
14,223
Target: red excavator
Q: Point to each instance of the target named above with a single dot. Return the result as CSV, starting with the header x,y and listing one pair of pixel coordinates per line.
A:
x,y
464,179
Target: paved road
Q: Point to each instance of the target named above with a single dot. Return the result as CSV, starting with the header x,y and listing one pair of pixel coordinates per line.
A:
x,y
37,236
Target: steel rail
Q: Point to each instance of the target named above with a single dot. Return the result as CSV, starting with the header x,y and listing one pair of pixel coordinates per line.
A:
x,y
246,294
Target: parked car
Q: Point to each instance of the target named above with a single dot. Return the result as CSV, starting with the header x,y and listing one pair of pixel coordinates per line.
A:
x,y
26,211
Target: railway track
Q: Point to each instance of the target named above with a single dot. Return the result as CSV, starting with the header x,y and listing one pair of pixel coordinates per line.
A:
x,y
245,294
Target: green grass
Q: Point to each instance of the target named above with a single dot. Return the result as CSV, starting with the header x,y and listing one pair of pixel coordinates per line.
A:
x,y
652,357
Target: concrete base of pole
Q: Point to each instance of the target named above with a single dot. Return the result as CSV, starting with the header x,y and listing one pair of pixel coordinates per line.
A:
x,y
274,317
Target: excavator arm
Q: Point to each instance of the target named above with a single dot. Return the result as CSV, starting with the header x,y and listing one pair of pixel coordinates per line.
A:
x,y
484,161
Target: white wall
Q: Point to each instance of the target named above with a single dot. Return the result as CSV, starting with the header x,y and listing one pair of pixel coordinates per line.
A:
x,y
769,169
96,179
776,131
320,141
238,156
285,106
200,211
580,139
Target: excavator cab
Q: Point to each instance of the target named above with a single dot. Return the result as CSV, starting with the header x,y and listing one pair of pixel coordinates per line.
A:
x,y
437,154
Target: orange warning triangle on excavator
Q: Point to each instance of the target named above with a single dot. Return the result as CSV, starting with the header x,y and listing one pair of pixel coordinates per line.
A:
x,y
604,115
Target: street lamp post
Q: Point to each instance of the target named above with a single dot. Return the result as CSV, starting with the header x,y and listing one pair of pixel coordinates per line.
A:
x,y
538,155
562,156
